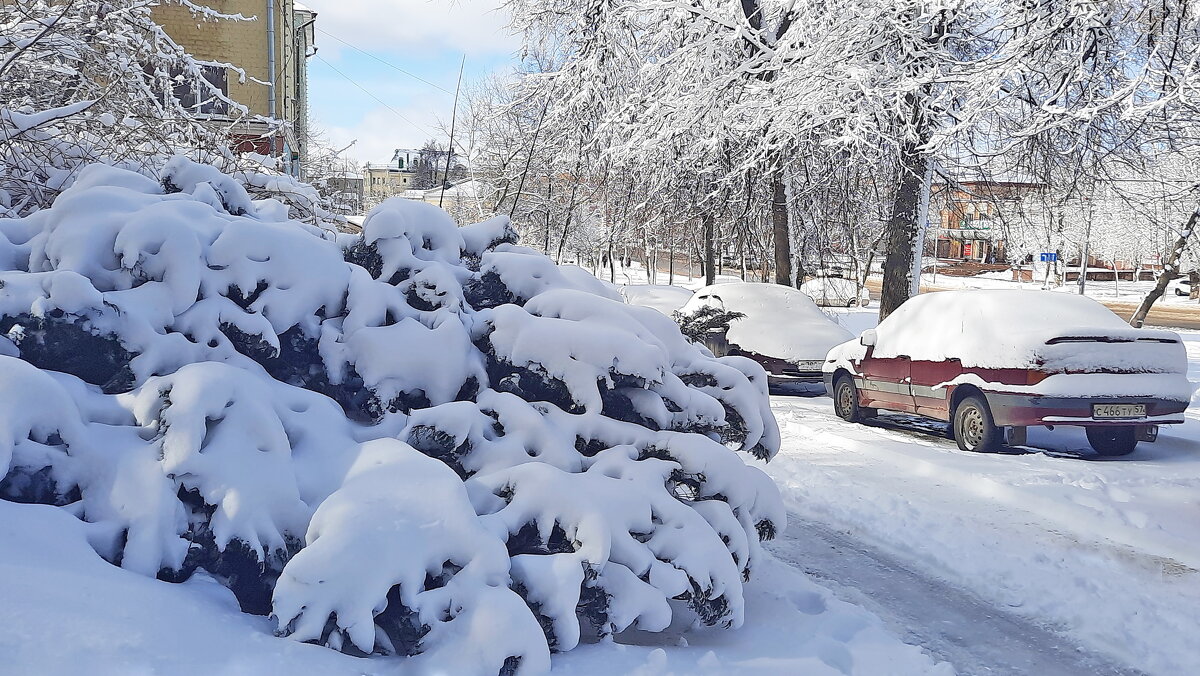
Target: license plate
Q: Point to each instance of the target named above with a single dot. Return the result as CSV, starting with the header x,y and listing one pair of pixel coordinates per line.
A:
x,y
1118,411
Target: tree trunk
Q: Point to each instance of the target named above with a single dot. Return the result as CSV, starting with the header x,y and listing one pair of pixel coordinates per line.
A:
x,y
780,230
1170,271
902,230
671,261
549,194
710,269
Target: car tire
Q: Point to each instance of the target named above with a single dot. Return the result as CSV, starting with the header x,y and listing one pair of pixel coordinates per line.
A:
x,y
853,302
845,400
1112,441
974,428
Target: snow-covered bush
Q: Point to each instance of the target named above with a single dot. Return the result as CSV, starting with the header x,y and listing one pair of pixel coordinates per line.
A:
x,y
423,440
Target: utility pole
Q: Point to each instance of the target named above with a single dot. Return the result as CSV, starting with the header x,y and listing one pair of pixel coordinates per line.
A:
x,y
453,121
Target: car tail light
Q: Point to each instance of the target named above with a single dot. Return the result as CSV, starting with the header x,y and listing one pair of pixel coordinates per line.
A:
x,y
1035,377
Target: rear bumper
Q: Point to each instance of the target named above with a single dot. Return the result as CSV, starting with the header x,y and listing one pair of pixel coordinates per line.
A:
x,y
794,376
1022,410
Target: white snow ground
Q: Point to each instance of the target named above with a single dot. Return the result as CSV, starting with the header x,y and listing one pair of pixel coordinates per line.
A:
x,y
1102,555
68,612
1105,552
1122,291
1037,563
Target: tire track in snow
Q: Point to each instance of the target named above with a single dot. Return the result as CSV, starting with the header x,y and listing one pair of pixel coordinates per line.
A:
x,y
951,623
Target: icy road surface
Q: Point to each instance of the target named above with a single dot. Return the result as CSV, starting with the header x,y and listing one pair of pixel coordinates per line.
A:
x,y
1007,563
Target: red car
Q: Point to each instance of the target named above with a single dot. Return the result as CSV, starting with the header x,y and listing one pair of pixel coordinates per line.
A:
x,y
993,363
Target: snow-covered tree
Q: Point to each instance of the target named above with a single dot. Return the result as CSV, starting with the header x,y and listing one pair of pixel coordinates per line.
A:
x,y
98,80
422,440
784,94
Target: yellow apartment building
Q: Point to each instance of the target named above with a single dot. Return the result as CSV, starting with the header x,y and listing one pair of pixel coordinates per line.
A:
x,y
260,62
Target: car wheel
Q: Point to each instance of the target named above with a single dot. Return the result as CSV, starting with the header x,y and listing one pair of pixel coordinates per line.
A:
x,y
1112,441
845,400
974,429
853,302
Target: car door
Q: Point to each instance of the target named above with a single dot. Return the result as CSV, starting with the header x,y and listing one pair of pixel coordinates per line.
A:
x,y
931,397
886,381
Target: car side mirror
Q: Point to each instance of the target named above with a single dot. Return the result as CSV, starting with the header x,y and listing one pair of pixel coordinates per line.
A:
x,y
867,339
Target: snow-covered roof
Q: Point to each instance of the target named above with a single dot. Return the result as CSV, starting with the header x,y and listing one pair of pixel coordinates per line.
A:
x,y
467,189
780,321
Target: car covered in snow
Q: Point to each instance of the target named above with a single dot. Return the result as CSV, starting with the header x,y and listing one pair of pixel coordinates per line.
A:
x,y
781,328
662,297
1182,287
995,362
836,292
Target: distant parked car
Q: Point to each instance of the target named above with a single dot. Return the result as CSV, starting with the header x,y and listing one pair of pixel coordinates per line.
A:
x,y
782,328
993,363
1182,287
836,292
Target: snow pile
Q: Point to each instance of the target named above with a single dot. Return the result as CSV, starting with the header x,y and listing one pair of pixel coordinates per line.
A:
x,y
779,321
422,440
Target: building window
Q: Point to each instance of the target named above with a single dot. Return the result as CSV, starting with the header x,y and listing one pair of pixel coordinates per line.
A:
x,y
202,100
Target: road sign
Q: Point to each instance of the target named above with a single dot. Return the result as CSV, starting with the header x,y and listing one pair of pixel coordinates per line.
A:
x,y
1048,257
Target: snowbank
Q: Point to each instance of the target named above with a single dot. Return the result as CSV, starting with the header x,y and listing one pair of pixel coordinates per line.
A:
x,y
780,321
422,441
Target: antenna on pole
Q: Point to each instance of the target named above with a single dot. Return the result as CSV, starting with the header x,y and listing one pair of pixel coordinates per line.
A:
x,y
453,120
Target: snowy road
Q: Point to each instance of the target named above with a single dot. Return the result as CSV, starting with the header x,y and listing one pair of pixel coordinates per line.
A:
x,y
1001,563
952,624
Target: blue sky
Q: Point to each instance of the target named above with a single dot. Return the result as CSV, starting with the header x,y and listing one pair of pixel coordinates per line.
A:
x,y
428,38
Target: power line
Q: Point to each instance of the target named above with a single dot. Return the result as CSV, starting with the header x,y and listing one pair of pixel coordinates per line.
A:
x,y
389,65
368,93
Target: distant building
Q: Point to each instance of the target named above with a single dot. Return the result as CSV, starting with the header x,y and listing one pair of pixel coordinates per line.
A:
x,y
272,48
467,202
392,178
409,170
967,217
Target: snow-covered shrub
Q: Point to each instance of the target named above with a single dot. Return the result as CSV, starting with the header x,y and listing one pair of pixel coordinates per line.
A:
x,y
423,440
705,320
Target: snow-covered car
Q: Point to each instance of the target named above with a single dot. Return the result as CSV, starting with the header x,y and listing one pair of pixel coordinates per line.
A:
x,y
1182,287
662,297
836,292
782,328
994,362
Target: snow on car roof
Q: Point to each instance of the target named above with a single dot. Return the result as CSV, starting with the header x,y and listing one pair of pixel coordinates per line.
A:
x,y
1010,329
780,321
662,297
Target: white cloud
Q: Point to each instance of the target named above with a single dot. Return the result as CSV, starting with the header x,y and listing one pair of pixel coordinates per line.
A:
x,y
412,26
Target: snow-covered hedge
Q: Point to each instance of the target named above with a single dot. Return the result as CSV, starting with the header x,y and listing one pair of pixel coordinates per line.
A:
x,y
425,440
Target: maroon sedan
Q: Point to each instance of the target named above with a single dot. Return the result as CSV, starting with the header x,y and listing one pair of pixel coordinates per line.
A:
x,y
993,363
